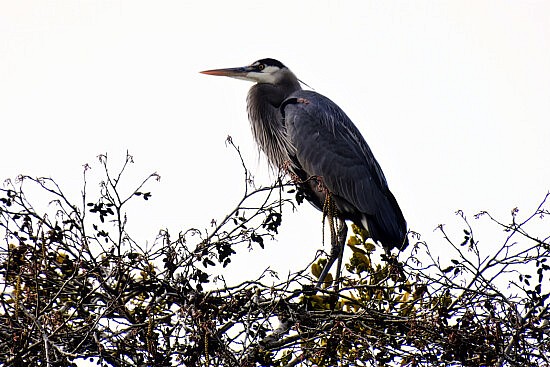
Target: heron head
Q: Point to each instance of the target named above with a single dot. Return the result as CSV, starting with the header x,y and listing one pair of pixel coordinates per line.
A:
x,y
268,71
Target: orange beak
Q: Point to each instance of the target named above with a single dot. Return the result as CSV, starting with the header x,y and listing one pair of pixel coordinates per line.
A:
x,y
240,72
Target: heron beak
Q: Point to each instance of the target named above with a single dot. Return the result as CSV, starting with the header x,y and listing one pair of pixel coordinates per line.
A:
x,y
239,73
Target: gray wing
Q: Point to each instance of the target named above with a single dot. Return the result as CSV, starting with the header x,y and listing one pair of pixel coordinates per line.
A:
x,y
329,145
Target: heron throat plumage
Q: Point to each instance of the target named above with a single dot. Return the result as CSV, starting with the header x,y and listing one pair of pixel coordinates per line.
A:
x,y
266,119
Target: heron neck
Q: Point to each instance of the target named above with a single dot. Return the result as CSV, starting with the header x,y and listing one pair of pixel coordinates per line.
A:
x,y
266,122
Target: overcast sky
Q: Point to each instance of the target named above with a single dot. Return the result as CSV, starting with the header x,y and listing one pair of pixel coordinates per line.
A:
x,y
452,96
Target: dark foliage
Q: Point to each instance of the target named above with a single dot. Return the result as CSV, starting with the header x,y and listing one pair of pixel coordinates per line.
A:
x,y
75,285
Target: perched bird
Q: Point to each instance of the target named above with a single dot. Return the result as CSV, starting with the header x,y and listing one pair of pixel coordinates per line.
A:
x,y
309,136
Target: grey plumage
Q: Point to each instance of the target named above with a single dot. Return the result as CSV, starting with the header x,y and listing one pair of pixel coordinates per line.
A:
x,y
308,134
328,145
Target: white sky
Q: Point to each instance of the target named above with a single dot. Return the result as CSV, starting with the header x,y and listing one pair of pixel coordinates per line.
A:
x,y
452,96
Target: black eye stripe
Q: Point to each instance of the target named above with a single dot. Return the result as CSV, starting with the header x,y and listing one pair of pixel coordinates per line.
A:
x,y
271,62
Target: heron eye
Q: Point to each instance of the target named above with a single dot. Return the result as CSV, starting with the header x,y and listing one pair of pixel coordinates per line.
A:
x,y
261,67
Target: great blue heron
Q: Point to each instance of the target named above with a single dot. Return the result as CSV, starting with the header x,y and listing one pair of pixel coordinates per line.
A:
x,y
308,135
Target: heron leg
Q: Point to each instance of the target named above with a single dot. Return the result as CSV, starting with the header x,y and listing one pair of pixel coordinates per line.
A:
x,y
336,253
342,235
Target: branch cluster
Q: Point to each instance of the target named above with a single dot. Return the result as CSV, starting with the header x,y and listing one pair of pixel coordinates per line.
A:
x,y
75,285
